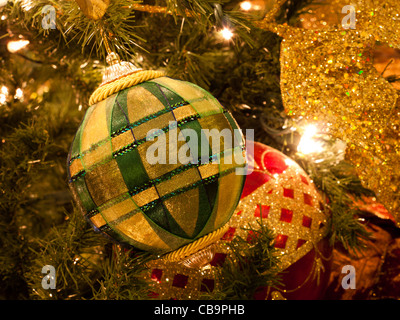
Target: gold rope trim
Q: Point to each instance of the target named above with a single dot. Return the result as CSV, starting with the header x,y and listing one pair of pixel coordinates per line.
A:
x,y
195,246
130,80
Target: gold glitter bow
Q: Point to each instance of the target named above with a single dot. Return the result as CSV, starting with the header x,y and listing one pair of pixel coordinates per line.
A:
x,y
328,78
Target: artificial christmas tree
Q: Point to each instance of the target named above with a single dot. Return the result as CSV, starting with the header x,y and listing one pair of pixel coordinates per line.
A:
x,y
52,57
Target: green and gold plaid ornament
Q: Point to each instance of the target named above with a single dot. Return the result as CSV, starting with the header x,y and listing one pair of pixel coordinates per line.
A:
x,y
126,194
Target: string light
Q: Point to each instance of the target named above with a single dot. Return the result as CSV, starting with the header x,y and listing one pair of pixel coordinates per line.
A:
x,y
226,33
308,144
245,5
14,46
3,95
19,94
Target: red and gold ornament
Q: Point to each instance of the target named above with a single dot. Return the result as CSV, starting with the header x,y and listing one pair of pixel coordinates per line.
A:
x,y
280,193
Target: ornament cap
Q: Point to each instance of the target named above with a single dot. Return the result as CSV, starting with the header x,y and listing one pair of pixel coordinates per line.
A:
x,y
120,75
117,69
113,58
200,259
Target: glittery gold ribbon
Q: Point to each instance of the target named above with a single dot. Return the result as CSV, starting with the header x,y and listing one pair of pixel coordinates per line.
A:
x,y
328,78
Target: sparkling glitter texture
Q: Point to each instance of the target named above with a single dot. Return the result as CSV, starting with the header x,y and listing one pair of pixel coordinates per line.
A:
x,y
288,204
328,78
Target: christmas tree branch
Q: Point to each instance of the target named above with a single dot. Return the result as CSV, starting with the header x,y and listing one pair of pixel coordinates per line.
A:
x,y
339,184
153,9
250,266
36,227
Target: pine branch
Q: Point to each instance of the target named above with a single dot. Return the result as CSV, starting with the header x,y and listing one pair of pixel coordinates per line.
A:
x,y
36,230
123,276
339,184
76,253
119,23
251,265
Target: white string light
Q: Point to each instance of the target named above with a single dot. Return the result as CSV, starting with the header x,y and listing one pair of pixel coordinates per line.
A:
x,y
245,5
19,94
14,46
308,144
3,95
226,33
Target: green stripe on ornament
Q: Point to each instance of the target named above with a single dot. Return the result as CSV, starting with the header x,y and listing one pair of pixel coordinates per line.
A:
x,y
203,151
132,169
167,97
202,101
87,116
199,142
76,146
153,89
163,219
170,97
205,209
210,98
238,137
83,193
211,190
110,106
120,112
144,120
172,240
219,157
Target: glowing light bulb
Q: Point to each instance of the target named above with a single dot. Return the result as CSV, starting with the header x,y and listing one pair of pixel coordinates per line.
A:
x,y
307,143
310,130
245,5
19,94
226,34
3,95
4,90
14,46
